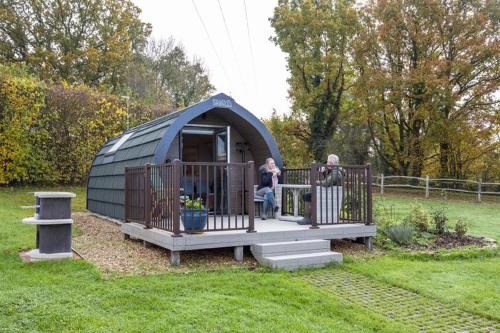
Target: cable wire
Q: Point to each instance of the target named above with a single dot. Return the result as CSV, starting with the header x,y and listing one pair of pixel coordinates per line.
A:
x,y
210,40
250,44
232,45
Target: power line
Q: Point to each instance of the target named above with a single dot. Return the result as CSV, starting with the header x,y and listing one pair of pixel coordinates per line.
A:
x,y
250,44
210,40
232,45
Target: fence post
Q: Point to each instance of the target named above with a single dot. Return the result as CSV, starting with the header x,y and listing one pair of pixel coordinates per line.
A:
x,y
314,199
427,186
176,200
479,190
250,196
147,198
369,217
381,184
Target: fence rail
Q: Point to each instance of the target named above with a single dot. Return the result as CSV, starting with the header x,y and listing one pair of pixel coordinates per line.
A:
x,y
154,194
349,200
437,184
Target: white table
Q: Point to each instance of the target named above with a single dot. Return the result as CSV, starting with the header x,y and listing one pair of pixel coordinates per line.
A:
x,y
295,189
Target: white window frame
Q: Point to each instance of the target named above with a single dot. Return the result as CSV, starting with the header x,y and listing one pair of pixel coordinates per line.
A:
x,y
119,143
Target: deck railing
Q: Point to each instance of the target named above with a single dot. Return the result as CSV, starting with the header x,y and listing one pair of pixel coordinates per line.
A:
x,y
348,201
154,194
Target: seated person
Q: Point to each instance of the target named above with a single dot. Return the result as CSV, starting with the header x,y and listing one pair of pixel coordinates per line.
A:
x,y
268,180
329,177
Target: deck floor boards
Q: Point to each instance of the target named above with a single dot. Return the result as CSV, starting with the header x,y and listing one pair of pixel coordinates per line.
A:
x,y
270,230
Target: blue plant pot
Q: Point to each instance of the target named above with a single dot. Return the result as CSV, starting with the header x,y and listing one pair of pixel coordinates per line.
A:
x,y
194,220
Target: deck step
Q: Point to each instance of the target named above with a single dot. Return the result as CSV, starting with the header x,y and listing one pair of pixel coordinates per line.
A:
x,y
304,260
293,247
295,254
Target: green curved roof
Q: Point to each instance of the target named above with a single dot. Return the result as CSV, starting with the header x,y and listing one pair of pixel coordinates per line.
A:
x,y
149,143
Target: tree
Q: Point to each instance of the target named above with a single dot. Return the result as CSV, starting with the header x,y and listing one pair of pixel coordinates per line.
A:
x,y
316,36
469,73
78,41
427,76
164,74
291,134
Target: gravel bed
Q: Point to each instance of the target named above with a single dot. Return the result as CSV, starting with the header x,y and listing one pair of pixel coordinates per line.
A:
x,y
101,242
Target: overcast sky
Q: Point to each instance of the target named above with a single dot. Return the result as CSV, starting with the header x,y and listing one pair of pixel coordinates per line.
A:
x,y
230,72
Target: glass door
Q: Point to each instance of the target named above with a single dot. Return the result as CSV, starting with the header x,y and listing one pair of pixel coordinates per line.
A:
x,y
221,143
221,154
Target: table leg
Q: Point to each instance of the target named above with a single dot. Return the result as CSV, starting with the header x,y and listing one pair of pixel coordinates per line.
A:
x,y
278,197
295,202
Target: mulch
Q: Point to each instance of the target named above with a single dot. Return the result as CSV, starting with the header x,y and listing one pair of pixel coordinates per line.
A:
x,y
101,242
450,240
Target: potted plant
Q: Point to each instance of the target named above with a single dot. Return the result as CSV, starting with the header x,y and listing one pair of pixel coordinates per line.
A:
x,y
194,216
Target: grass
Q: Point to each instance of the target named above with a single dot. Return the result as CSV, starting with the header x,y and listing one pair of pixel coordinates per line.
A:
x,y
471,284
70,296
483,218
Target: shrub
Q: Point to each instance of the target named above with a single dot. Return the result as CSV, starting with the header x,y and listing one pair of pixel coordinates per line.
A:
x,y
385,216
439,219
461,227
418,218
400,233
21,99
193,204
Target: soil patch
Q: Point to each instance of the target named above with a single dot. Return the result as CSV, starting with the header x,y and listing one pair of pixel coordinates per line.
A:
x,y
353,248
101,242
450,240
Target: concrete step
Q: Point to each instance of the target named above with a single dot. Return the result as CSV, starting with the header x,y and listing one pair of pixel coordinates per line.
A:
x,y
303,260
293,247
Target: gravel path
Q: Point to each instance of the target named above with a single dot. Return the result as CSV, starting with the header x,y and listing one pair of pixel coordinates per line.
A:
x,y
101,242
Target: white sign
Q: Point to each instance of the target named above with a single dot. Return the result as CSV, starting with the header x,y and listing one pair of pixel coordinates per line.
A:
x,y
222,103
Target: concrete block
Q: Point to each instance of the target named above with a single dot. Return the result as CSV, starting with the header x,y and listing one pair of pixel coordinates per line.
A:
x,y
238,253
293,247
175,258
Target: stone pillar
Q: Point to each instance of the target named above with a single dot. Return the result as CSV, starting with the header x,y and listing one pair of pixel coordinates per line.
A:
x,y
369,243
238,253
175,258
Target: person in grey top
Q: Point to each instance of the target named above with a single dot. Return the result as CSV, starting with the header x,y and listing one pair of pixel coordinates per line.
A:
x,y
330,176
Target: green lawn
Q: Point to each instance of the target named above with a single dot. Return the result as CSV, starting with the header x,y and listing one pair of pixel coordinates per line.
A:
x,y
472,284
483,218
72,295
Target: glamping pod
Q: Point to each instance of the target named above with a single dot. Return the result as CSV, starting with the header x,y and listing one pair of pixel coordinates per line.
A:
x,y
215,130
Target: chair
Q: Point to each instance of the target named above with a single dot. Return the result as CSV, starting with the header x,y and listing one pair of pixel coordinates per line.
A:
x,y
328,204
259,203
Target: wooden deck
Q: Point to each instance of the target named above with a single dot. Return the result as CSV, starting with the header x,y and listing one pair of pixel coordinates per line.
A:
x,y
271,230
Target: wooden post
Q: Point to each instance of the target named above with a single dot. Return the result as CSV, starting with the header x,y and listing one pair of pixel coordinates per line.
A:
x,y
314,199
479,190
147,199
176,201
369,207
250,196
381,184
427,186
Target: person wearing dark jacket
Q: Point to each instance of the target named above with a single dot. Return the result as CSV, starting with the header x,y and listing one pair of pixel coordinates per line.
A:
x,y
268,180
330,176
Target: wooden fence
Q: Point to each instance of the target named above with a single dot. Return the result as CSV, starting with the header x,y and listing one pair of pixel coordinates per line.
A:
x,y
428,184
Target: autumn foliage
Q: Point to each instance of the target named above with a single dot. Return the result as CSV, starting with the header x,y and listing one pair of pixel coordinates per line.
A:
x,y
50,133
419,78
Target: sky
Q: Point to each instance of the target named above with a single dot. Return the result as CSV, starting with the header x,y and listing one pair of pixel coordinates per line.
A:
x,y
256,82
